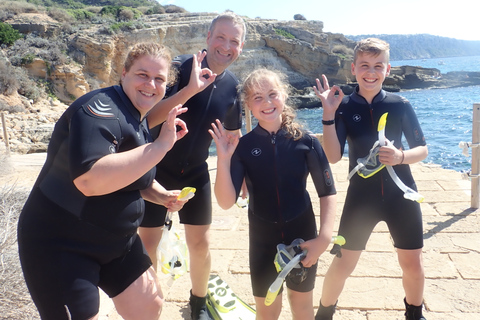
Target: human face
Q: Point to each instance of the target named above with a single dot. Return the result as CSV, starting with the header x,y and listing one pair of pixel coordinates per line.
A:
x,y
267,103
224,45
145,83
370,72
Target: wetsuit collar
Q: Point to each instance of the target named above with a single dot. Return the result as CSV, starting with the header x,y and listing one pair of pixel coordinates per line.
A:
x,y
128,104
263,132
359,99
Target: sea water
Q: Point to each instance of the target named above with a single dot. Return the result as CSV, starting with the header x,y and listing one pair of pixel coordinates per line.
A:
x,y
445,115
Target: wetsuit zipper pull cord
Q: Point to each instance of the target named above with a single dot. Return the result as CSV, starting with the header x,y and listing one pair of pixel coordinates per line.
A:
x,y
274,136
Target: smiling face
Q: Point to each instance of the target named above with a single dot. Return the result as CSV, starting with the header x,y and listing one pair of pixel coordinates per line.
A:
x,y
224,45
370,71
145,82
267,101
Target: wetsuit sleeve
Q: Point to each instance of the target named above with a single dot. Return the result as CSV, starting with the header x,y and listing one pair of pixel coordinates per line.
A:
x,y
411,128
237,171
341,130
320,169
90,139
233,119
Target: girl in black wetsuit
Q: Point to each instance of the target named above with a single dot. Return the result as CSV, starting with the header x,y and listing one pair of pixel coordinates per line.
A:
x,y
78,229
375,198
275,159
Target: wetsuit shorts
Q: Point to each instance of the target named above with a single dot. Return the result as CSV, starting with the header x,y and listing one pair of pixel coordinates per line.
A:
x,y
65,260
366,205
197,211
264,237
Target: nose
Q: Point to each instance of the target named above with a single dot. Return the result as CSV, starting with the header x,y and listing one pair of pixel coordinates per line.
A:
x,y
150,82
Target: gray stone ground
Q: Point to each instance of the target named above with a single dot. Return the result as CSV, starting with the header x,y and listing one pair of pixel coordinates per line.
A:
x,y
374,291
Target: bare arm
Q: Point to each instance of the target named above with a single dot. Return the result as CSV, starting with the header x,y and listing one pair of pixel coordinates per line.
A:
x,y
226,143
392,156
115,171
317,246
156,193
330,103
199,80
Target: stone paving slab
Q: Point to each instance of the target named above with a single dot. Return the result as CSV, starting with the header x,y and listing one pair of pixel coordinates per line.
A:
x,y
374,292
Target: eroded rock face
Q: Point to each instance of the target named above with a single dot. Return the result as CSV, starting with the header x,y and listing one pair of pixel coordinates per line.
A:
x,y
100,57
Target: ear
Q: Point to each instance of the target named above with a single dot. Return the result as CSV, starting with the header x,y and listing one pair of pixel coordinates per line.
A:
x,y
388,69
124,72
352,68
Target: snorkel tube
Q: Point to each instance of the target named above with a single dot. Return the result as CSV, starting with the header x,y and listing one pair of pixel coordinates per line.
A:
x,y
277,284
408,193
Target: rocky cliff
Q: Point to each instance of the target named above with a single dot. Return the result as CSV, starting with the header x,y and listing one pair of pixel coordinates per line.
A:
x,y
304,54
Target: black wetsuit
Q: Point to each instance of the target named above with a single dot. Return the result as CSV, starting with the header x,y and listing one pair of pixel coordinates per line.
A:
x,y
69,243
185,164
378,198
275,168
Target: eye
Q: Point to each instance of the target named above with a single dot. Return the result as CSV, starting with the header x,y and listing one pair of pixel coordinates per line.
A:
x,y
160,79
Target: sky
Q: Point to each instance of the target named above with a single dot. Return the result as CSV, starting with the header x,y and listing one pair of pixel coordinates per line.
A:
x,y
452,19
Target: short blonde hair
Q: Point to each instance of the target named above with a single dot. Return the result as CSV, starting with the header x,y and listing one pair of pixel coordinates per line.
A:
x,y
151,49
373,46
232,17
279,80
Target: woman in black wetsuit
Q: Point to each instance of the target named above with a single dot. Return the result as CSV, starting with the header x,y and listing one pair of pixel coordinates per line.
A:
x,y
275,160
78,229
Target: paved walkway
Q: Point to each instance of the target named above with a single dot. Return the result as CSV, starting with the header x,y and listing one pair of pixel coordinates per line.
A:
x,y
374,292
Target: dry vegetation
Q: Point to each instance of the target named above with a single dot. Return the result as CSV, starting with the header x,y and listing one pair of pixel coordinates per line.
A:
x,y
15,301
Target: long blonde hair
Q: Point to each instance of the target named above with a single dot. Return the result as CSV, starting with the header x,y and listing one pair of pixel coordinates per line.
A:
x,y
278,79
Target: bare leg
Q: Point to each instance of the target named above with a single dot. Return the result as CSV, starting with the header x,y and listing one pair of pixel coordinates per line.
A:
x,y
142,300
150,239
301,304
198,242
272,312
413,278
337,274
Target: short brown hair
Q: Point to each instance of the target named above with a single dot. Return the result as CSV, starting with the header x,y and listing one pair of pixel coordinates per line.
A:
x,y
150,49
232,17
373,46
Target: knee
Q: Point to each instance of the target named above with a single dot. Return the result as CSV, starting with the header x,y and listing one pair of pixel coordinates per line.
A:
x,y
148,310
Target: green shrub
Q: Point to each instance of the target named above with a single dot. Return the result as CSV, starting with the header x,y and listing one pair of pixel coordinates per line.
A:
x,y
81,14
284,33
8,35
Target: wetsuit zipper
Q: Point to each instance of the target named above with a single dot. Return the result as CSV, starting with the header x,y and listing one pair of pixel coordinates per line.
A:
x,y
273,141
375,130
185,163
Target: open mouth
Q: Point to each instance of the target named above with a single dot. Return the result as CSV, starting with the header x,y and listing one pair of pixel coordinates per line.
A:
x,y
146,94
268,111
369,80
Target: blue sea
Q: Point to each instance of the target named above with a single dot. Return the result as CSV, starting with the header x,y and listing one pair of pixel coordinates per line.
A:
x,y
445,115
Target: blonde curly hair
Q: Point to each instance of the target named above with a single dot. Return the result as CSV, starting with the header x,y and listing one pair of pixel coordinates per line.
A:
x,y
279,80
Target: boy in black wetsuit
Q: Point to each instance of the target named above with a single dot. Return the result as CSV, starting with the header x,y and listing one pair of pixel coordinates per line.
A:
x,y
373,196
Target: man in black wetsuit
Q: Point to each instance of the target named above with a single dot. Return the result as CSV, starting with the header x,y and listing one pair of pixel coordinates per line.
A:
x,y
185,165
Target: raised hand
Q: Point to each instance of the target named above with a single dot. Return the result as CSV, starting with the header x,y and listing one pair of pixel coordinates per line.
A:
x,y
225,141
200,78
329,97
169,133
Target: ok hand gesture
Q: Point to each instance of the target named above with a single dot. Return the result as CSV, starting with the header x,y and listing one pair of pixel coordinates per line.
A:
x,y
329,97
